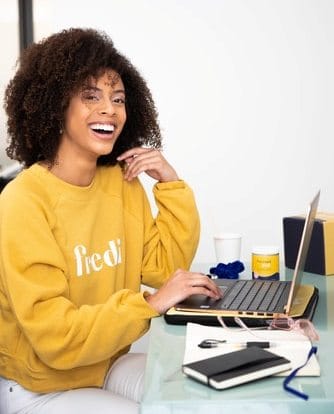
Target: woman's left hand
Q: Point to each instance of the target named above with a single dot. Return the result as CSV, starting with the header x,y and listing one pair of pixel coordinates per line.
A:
x,y
147,160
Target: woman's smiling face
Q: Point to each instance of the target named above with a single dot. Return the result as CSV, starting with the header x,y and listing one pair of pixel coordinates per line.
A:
x,y
94,119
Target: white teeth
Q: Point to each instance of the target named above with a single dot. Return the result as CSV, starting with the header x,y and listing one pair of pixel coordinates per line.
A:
x,y
103,127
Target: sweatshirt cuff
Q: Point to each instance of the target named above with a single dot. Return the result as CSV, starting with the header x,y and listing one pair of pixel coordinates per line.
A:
x,y
171,185
153,311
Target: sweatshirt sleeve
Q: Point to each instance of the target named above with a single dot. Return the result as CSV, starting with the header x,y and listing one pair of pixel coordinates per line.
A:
x,y
172,238
35,296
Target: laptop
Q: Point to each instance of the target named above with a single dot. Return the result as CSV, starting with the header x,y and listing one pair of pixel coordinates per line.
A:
x,y
256,301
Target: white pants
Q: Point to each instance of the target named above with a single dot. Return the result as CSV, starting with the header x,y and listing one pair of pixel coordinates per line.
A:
x,y
121,393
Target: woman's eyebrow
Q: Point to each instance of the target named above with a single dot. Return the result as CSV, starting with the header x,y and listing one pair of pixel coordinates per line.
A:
x,y
96,89
119,91
92,88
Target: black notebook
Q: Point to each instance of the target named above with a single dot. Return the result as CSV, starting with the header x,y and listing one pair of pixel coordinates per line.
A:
x,y
234,368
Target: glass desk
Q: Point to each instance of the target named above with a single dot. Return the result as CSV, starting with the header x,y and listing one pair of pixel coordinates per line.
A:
x,y
168,391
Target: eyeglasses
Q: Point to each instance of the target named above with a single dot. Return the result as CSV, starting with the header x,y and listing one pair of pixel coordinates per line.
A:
x,y
304,326
242,326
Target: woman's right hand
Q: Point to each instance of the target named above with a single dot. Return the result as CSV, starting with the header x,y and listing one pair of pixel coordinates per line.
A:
x,y
181,285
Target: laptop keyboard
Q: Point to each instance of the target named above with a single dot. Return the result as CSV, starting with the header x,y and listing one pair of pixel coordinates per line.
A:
x,y
256,295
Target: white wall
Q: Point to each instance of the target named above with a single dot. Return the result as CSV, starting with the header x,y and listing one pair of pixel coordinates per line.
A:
x,y
245,92
9,47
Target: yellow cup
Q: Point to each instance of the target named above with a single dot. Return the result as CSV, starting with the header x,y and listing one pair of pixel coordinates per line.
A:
x,y
265,263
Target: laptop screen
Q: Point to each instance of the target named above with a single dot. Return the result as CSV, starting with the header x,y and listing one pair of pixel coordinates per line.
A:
x,y
303,249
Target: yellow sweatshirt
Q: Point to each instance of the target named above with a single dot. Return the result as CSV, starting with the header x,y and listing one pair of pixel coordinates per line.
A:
x,y
72,260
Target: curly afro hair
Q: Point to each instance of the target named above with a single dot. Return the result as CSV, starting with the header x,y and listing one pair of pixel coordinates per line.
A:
x,y
50,73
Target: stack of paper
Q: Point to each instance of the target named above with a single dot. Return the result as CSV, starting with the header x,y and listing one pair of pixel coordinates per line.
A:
x,y
290,344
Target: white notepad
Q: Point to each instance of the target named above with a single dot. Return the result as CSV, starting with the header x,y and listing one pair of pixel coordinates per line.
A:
x,y
289,344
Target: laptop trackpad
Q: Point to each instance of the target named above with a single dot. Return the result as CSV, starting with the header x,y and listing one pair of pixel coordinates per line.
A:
x,y
204,302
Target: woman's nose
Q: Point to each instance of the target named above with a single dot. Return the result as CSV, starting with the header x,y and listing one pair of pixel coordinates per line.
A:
x,y
107,107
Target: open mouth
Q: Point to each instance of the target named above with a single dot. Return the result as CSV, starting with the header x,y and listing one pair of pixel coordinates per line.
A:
x,y
104,129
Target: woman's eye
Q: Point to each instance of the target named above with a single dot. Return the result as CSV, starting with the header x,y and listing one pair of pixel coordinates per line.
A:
x,y
91,97
118,100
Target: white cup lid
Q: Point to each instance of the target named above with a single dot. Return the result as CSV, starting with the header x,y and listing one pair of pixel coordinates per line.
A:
x,y
265,250
227,236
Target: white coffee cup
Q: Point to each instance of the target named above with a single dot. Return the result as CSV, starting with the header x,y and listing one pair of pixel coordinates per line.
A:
x,y
227,247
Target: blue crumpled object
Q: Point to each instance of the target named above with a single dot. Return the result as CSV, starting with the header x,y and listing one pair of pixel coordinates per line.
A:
x,y
228,271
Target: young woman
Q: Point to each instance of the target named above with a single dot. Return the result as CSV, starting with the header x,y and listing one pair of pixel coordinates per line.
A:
x,y
77,237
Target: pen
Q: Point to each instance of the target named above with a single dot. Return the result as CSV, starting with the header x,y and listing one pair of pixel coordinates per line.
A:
x,y
213,343
259,344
